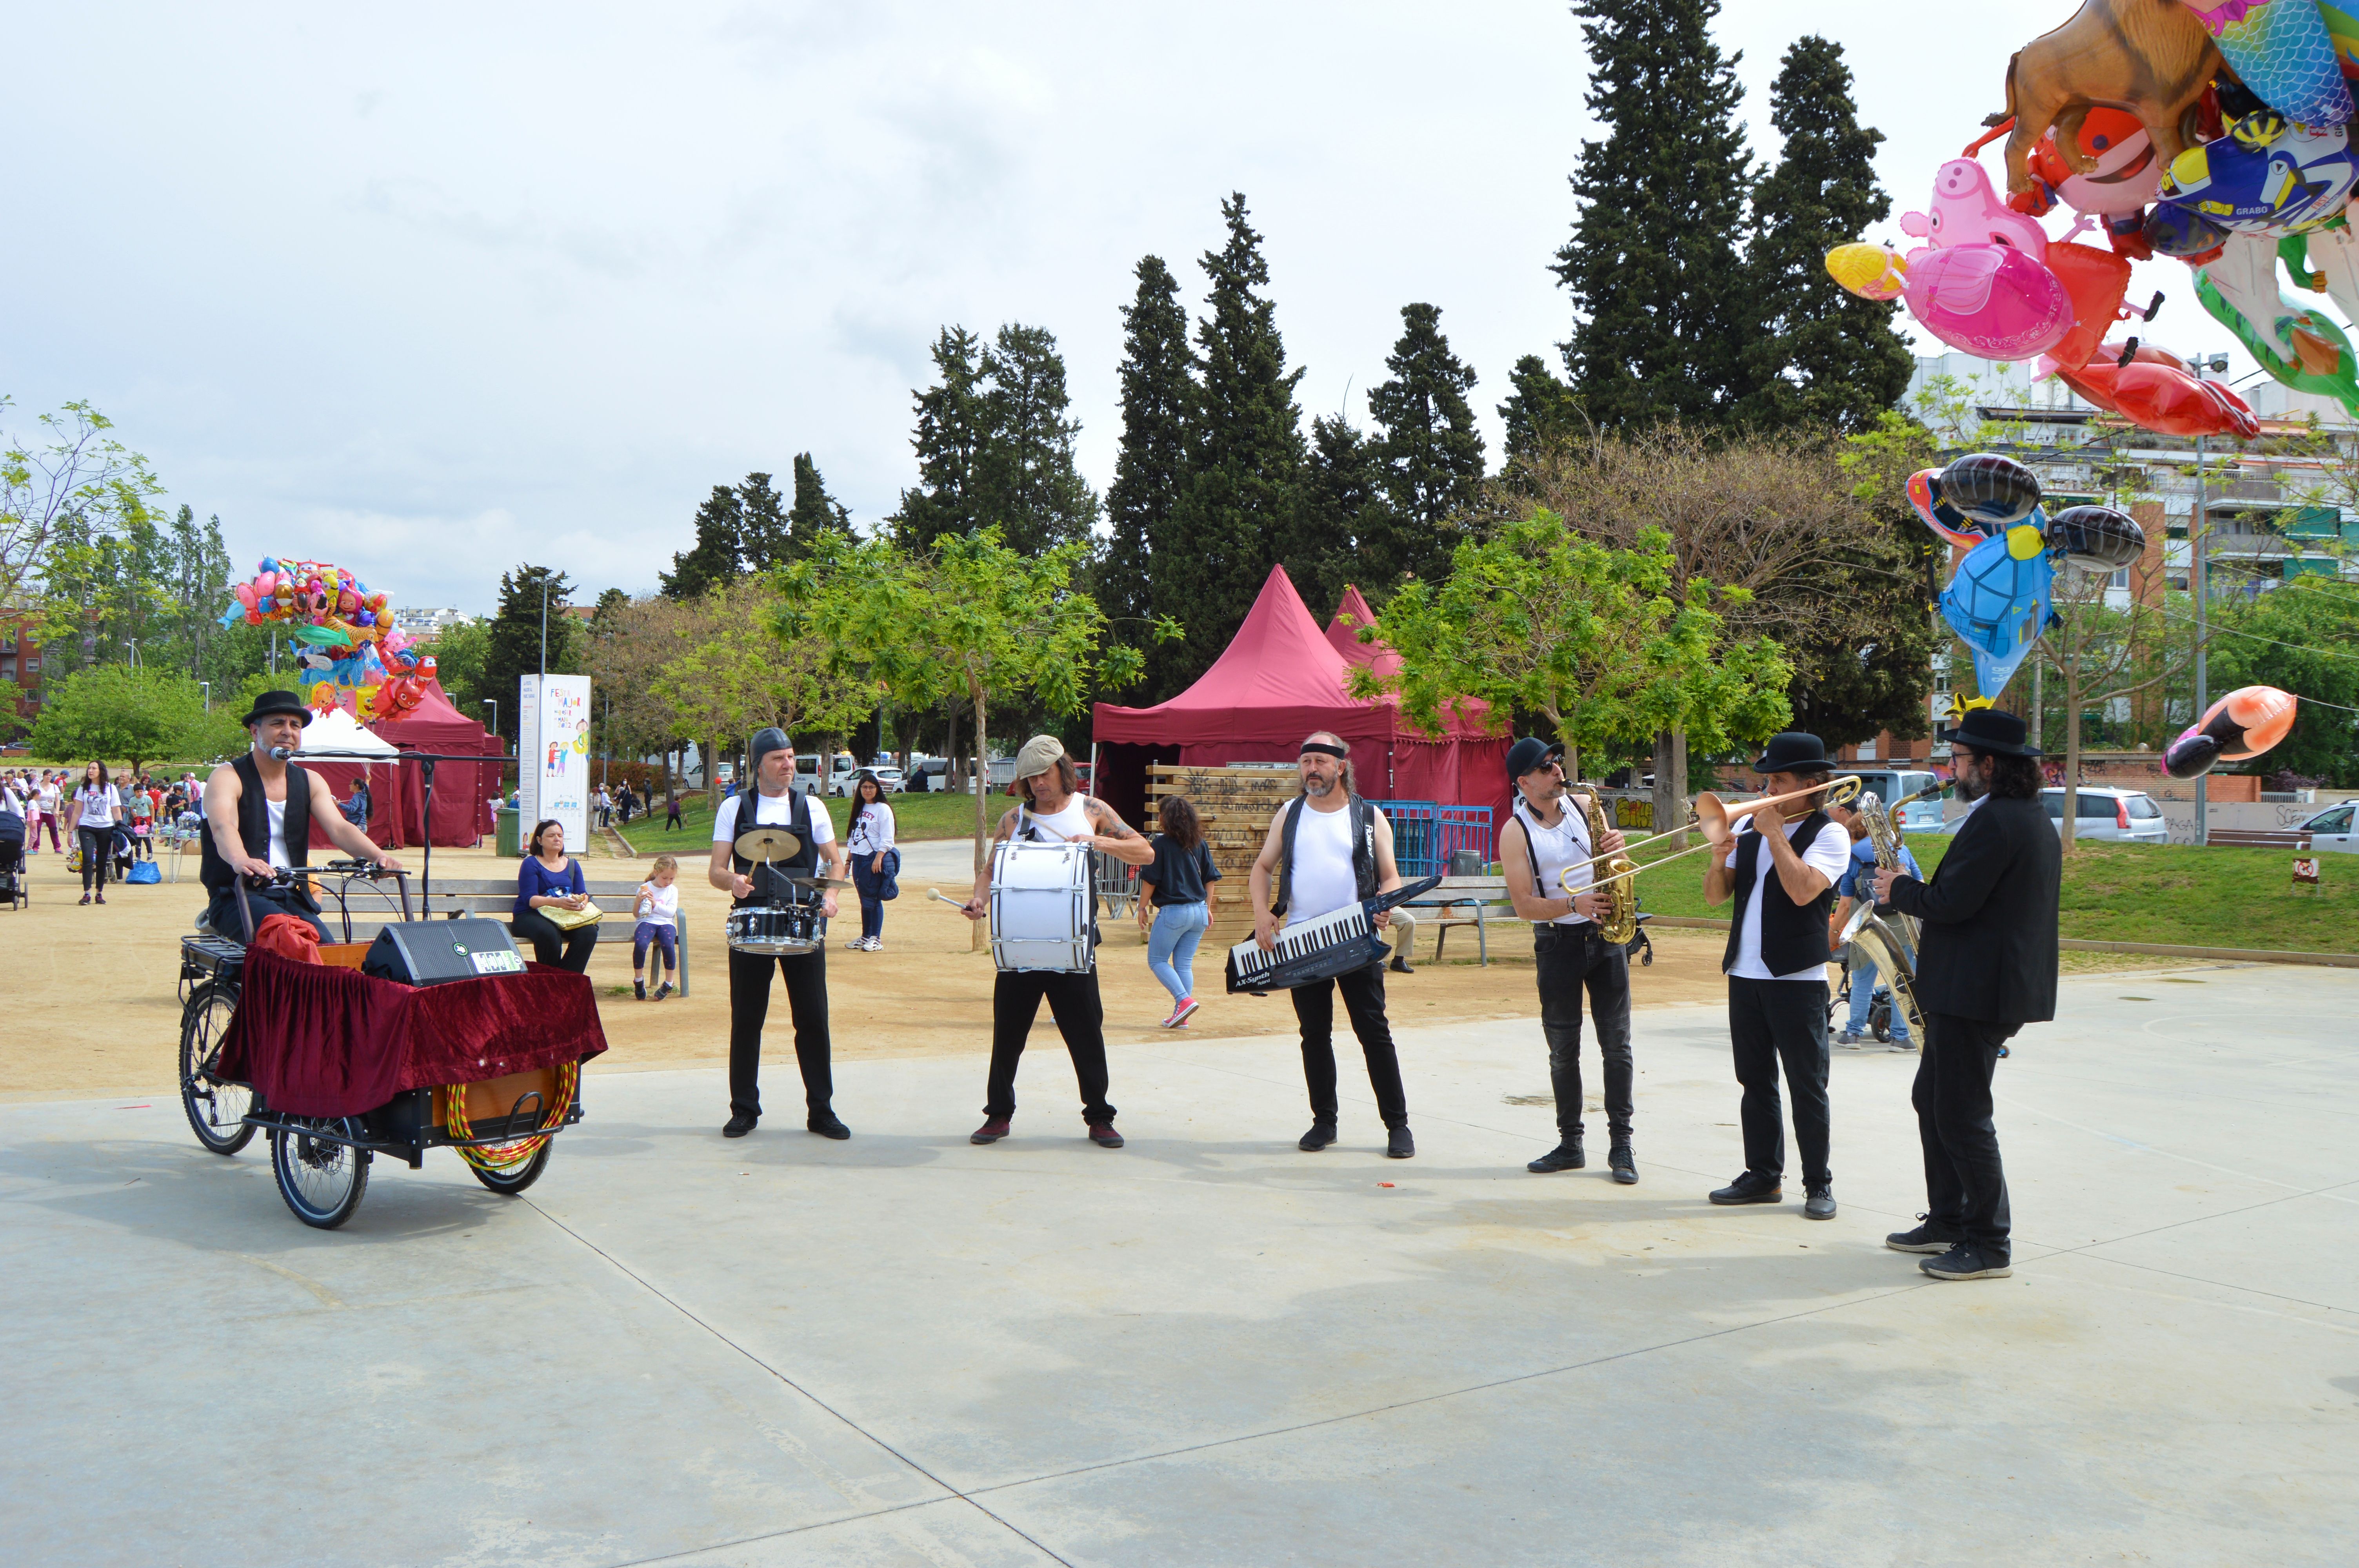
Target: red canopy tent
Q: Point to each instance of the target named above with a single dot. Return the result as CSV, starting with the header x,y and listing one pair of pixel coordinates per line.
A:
x,y
397,790
1280,678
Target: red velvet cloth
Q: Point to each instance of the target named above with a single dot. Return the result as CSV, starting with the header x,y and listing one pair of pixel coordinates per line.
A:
x,y
321,1041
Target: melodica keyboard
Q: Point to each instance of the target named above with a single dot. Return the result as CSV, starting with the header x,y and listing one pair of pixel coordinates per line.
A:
x,y
1321,948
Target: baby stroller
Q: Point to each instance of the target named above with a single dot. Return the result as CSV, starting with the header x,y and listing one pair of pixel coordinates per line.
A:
x,y
16,887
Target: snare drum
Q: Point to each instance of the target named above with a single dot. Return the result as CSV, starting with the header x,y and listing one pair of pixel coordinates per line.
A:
x,y
1042,906
781,931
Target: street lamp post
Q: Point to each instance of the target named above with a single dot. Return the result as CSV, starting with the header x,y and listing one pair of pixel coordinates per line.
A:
x,y
208,694
493,704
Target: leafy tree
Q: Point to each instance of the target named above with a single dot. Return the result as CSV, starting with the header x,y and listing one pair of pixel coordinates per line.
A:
x,y
1032,488
2311,649
952,425
512,640
1601,641
1539,409
79,471
815,511
1652,266
1339,520
462,652
717,556
1150,466
1818,355
729,675
1431,452
116,713
1247,472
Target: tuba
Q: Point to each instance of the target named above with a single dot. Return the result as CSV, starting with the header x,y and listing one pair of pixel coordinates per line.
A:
x,y
1614,878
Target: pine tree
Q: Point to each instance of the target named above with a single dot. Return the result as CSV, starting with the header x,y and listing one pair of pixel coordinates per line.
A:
x,y
1541,408
1652,266
1818,354
949,442
815,511
713,559
1342,506
1430,451
1246,466
762,541
1158,400
1028,481
513,647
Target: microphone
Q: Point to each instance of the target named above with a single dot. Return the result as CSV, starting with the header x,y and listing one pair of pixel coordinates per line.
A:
x,y
282,752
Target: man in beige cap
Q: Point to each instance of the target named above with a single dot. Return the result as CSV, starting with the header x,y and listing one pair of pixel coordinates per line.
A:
x,y
1053,811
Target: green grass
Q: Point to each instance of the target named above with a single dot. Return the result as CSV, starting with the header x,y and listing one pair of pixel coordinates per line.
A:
x,y
2168,893
915,818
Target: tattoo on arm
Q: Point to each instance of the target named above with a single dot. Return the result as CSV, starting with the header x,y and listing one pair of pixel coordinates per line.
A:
x,y
1109,826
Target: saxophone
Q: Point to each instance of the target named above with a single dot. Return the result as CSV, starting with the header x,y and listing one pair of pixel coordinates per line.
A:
x,y
1614,877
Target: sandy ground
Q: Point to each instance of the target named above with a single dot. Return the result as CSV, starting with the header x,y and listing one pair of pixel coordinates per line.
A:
x,y
92,1003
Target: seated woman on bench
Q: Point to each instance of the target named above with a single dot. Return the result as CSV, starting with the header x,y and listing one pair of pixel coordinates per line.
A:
x,y
551,879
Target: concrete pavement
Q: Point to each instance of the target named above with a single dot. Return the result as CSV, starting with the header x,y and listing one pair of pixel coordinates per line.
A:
x,y
1209,1348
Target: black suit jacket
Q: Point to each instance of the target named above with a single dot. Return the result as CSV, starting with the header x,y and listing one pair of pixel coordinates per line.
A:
x,y
1989,946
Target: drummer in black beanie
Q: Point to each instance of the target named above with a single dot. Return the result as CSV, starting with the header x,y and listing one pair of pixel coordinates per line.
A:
x,y
775,803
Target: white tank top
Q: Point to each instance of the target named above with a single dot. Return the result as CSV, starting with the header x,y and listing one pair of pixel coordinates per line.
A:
x,y
1321,880
279,858
1566,844
1071,822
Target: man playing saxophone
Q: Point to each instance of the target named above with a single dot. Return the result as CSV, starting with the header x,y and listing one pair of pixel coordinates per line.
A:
x,y
1547,834
1857,887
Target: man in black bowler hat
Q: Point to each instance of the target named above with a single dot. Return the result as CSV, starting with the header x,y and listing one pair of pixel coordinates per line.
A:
x,y
258,815
1986,967
1781,866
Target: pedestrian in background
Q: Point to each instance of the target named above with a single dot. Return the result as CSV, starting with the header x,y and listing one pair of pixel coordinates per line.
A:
x,y
1174,903
97,808
869,841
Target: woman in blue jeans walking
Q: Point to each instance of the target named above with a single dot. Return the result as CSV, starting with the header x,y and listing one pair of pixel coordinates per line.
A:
x,y
867,842
1172,907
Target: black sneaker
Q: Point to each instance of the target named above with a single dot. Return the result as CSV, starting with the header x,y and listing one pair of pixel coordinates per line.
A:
x,y
1321,1134
1400,1145
1926,1237
991,1131
1619,1159
1820,1203
640,989
663,991
826,1125
1966,1262
739,1124
1750,1187
1565,1156
1400,966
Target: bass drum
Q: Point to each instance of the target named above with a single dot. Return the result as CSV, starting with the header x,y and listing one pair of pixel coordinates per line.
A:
x,y
776,930
1042,908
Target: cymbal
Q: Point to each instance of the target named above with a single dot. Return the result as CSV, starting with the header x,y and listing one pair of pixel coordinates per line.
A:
x,y
767,843
818,881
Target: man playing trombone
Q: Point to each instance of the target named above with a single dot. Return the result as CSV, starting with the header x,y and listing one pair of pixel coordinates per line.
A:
x,y
1776,968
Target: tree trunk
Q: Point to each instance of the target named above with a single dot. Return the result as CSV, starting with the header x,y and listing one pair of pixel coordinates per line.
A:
x,y
981,807
2070,823
954,770
712,772
1671,786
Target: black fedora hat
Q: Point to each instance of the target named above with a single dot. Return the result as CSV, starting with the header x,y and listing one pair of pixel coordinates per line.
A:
x,y
1988,729
1530,753
1793,752
277,704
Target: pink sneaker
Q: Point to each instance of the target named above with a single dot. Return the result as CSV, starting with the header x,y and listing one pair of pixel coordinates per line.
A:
x,y
1181,1014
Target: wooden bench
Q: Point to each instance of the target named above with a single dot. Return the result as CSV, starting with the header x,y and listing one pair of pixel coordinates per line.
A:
x,y
495,898
1477,894
2291,838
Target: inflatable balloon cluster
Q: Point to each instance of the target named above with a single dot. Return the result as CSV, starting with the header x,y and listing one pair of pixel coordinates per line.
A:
x,y
1997,600
344,636
2216,133
2241,725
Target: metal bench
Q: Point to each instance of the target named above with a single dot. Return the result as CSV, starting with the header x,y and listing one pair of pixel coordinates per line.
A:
x,y
1474,893
495,898
2291,838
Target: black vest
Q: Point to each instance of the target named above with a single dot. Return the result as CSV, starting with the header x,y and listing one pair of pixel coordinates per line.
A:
x,y
1364,849
254,824
1793,935
773,887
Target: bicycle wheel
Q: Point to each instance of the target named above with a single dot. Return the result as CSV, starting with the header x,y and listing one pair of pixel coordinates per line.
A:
x,y
321,1182
216,1109
515,1178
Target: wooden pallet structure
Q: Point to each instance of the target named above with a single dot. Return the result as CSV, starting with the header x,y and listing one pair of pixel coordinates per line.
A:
x,y
1234,804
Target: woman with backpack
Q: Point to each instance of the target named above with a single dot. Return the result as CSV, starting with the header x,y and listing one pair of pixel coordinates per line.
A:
x,y
874,861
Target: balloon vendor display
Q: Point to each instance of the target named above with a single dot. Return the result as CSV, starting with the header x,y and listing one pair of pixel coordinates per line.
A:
x,y
2215,134
2240,726
343,635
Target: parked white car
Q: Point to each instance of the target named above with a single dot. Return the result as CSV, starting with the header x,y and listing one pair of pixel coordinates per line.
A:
x,y
889,778
2124,815
2330,830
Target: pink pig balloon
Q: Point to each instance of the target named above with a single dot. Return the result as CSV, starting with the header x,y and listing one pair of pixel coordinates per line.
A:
x,y
245,594
1992,301
1968,212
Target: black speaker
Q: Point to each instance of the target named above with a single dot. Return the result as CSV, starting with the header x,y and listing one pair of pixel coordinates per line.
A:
x,y
428,952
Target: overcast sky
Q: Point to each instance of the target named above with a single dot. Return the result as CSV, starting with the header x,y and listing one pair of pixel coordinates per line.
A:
x,y
433,291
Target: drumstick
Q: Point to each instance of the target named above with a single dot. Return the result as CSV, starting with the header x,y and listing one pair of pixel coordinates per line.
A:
x,y
953,902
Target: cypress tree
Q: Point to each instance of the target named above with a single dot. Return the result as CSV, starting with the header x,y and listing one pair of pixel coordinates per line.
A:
x,y
513,637
1538,408
1247,468
814,510
1342,508
762,540
1159,398
1818,354
713,559
1028,481
1652,266
1431,452
949,441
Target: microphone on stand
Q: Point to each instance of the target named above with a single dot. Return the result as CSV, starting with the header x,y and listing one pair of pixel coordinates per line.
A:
x,y
282,752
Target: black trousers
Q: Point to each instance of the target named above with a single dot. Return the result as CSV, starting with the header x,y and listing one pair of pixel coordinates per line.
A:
x,y
222,916
749,1005
1965,1186
1073,1002
1570,958
1771,1021
1364,1003
97,855
553,944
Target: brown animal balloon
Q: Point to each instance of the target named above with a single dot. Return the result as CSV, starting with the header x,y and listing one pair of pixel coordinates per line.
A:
x,y
2150,56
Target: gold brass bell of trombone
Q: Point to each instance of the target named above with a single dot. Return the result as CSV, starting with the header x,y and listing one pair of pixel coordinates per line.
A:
x,y
1716,818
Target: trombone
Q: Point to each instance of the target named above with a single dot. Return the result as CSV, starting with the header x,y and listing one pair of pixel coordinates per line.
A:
x,y
1716,818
